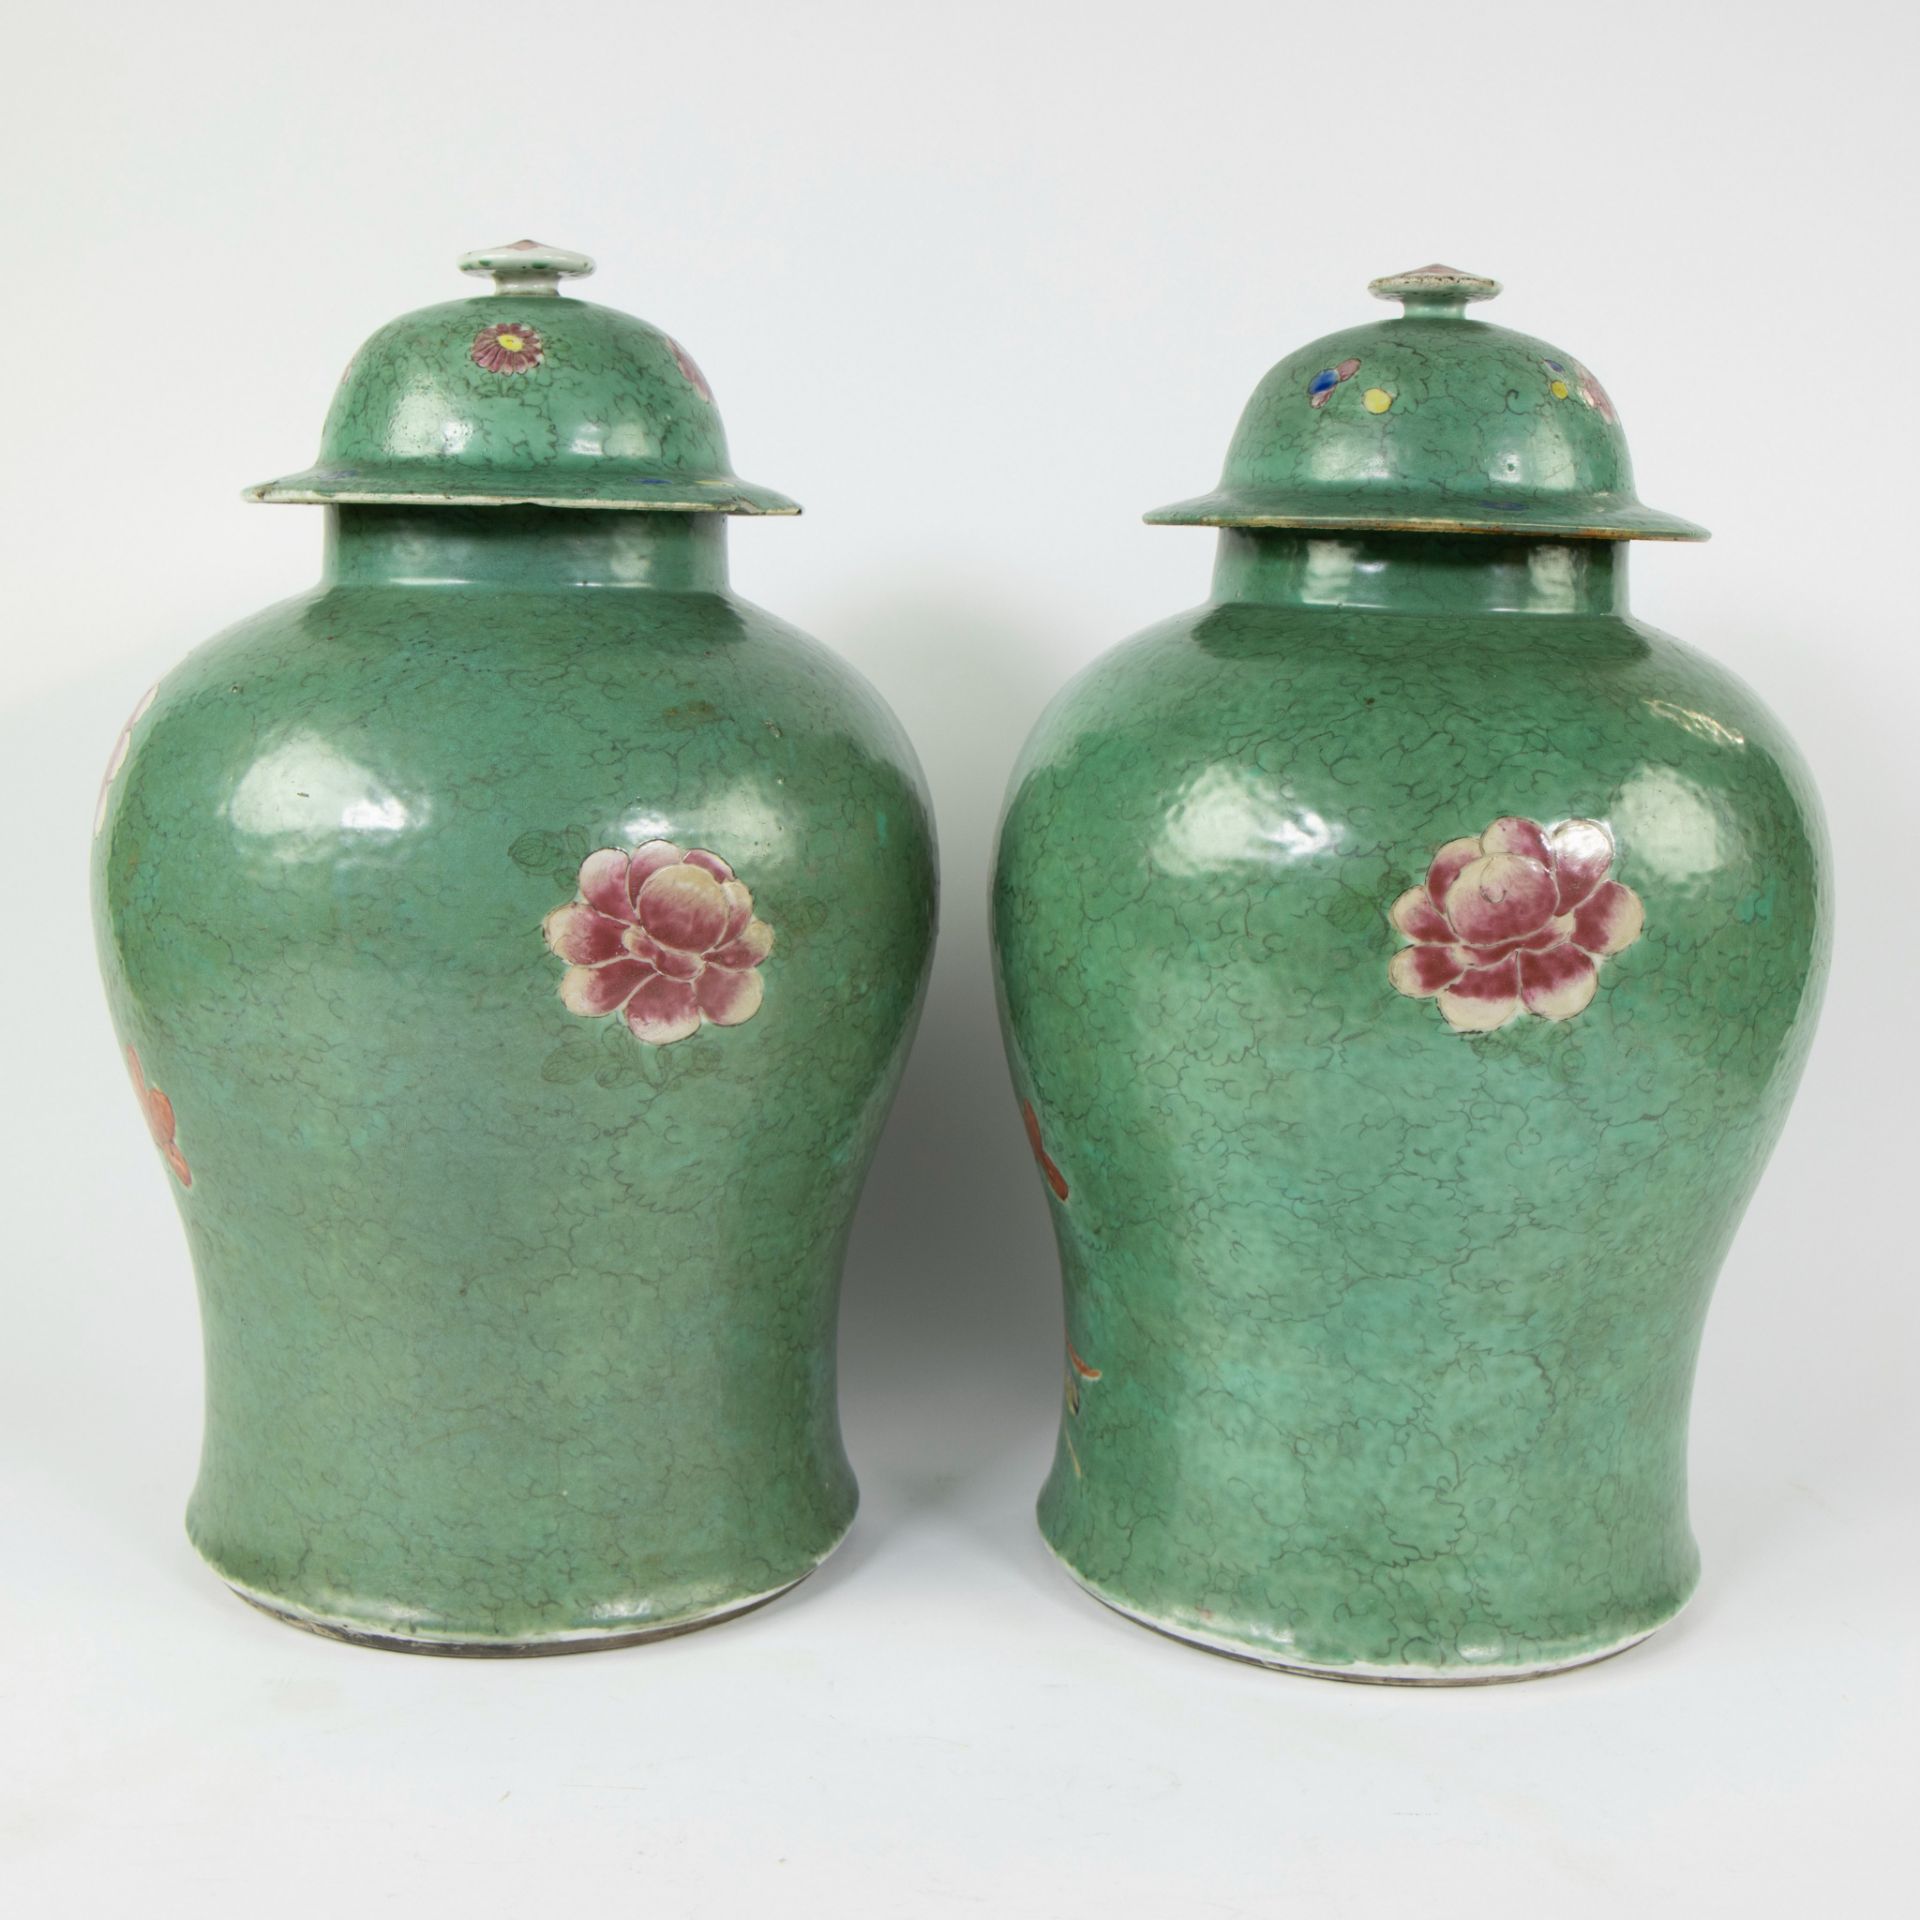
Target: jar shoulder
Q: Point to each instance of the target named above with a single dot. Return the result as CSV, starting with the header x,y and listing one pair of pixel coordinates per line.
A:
x,y
362,745
1238,840
530,665
1390,722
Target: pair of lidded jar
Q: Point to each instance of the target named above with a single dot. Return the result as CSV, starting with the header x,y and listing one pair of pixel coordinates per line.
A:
x,y
1406,959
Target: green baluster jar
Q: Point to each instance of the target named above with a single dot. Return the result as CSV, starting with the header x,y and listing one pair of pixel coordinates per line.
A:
x,y
514,943
1406,962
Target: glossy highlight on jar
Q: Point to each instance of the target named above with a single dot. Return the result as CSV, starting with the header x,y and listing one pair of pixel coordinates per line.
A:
x,y
515,941
1407,958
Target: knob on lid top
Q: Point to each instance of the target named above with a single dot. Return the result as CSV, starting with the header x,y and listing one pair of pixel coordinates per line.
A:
x,y
527,266
524,397
1430,422
1433,289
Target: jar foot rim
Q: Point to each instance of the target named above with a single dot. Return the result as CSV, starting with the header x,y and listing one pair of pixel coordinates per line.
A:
x,y
528,1647
456,1644
1359,1672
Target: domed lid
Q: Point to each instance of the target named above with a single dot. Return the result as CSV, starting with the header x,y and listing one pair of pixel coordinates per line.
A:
x,y
521,397
1431,423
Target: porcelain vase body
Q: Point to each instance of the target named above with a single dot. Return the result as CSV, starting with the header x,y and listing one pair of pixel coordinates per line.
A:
x,y
1381,1332
519,1324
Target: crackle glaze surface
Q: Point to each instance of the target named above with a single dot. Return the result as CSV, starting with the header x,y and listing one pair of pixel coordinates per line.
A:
x,y
525,398
519,1329
1381,1333
1436,421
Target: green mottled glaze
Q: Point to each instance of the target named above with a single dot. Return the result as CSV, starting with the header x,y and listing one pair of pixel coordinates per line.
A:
x,y
1382,1326
522,397
1431,421
519,1318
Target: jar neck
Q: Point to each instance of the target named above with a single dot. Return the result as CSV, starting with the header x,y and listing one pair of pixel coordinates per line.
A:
x,y
1420,572
532,548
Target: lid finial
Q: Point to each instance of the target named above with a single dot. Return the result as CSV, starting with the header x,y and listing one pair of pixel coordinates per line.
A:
x,y
527,266
1434,292
507,400
1431,423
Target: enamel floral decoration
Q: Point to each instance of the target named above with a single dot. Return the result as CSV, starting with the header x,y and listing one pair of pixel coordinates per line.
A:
x,y
157,1110
507,348
665,938
118,758
690,371
1396,1300
1517,919
1042,1158
405,891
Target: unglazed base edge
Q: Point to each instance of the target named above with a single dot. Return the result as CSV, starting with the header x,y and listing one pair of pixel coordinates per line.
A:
x,y
1362,1673
531,1647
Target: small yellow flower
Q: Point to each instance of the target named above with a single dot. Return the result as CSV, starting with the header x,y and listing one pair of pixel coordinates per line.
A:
x,y
1376,399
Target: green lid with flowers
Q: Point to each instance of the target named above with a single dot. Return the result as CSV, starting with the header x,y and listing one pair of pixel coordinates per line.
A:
x,y
523,397
1431,423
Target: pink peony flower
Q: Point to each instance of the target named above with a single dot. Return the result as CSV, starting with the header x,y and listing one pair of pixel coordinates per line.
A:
x,y
508,348
1518,918
665,938
157,1110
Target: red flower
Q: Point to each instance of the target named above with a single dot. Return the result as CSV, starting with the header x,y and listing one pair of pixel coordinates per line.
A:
x,y
158,1112
1077,1370
1055,1178
1517,918
694,377
508,348
118,758
666,938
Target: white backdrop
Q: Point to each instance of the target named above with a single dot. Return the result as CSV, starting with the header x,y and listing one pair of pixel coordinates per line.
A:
x,y
977,284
